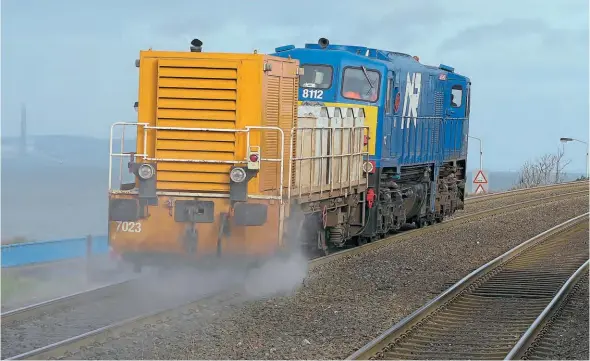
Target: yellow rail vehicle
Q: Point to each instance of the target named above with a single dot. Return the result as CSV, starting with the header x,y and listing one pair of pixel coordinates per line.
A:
x,y
225,155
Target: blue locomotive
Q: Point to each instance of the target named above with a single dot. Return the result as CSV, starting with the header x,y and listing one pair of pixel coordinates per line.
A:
x,y
418,121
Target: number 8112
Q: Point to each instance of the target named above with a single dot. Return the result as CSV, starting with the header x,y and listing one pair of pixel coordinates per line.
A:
x,y
312,93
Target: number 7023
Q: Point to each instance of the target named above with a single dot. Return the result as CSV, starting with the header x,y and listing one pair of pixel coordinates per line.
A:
x,y
134,227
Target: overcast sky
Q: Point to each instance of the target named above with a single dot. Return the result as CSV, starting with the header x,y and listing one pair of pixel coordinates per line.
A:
x,y
72,62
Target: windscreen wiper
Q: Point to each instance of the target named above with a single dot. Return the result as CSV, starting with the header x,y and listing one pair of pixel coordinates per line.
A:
x,y
368,80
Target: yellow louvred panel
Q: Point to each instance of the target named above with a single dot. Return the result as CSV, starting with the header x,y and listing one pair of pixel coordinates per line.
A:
x,y
201,92
196,93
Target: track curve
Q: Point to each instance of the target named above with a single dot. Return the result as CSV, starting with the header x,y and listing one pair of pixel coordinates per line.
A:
x,y
480,316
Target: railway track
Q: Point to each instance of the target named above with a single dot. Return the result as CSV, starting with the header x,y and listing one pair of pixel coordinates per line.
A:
x,y
451,222
36,326
525,191
483,315
533,343
61,303
67,347
562,337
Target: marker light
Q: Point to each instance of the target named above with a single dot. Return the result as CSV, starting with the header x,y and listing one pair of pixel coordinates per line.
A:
x,y
254,158
369,167
145,171
237,175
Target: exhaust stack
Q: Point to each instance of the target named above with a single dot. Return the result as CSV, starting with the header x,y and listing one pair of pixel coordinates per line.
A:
x,y
196,46
323,42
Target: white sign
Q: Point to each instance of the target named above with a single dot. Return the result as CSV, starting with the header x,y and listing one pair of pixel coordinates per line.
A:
x,y
479,189
480,184
480,178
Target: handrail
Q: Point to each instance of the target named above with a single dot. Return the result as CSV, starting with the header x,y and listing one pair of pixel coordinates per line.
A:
x,y
245,130
122,154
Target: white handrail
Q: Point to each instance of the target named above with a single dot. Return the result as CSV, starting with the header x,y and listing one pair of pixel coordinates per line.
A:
x,y
121,154
246,130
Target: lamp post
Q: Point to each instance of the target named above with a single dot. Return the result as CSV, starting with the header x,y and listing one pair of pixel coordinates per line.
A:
x,y
565,140
480,152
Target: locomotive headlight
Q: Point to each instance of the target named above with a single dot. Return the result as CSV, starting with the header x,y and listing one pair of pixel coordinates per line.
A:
x,y
146,171
237,175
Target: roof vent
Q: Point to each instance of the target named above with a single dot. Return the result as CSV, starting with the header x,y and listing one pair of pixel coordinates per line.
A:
x,y
450,69
284,48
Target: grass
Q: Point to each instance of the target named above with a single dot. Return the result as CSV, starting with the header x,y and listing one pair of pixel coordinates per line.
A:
x,y
17,239
15,286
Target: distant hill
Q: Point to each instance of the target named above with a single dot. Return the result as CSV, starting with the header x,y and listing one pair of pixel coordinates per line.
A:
x,y
61,149
60,188
78,151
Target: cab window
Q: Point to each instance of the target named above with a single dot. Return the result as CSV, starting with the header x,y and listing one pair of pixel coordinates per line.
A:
x,y
456,96
361,84
316,76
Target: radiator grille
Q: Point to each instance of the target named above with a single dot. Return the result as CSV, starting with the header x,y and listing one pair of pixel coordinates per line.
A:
x,y
196,94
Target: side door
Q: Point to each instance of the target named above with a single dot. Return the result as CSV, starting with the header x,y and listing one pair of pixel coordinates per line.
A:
x,y
455,104
466,121
388,117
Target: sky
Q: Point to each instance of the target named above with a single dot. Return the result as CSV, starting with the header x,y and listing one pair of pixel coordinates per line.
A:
x,y
72,62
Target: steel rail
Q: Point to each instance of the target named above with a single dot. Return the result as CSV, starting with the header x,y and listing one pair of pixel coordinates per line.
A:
x,y
452,222
72,300
525,344
70,346
398,330
495,195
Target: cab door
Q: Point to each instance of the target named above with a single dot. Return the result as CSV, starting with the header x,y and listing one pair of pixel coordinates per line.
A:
x,y
388,117
455,116
466,121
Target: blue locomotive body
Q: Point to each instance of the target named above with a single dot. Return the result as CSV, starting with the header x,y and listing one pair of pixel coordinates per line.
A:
x,y
418,117
417,122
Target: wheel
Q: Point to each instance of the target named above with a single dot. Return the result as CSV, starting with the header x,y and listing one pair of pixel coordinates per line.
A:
x,y
420,223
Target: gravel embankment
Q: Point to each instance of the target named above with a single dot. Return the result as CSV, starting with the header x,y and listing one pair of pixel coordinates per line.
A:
x,y
567,338
43,282
478,205
343,304
142,296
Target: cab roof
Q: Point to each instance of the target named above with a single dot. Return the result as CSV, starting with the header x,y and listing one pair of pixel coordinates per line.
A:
x,y
355,52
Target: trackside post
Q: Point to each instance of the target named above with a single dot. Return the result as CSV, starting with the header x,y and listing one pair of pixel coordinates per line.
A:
x,y
88,257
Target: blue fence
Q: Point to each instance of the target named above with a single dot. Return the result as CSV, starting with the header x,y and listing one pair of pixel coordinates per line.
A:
x,y
21,254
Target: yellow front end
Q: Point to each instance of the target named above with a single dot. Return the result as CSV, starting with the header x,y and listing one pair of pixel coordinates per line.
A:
x,y
160,235
200,116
